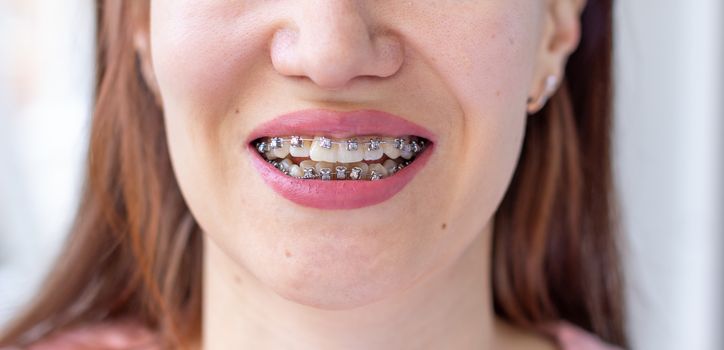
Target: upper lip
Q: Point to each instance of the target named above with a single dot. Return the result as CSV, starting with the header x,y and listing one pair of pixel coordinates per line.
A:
x,y
335,124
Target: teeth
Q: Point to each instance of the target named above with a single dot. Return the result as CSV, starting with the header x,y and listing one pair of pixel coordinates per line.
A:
x,y
390,166
275,142
296,141
270,155
340,172
261,147
309,173
362,170
377,171
323,150
374,150
329,159
300,151
325,173
348,153
406,151
325,143
373,145
281,151
296,171
355,173
352,145
321,165
308,168
390,150
286,164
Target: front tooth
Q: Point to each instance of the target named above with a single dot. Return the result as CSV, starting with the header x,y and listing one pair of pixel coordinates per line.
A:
x,y
374,150
347,154
282,151
296,171
390,166
303,151
321,153
390,150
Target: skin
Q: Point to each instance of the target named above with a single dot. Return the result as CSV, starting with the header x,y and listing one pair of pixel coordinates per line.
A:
x,y
401,274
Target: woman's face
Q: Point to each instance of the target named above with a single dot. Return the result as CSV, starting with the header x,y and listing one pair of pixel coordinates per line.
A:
x,y
460,69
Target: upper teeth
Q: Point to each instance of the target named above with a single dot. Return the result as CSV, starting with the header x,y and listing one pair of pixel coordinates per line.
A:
x,y
323,149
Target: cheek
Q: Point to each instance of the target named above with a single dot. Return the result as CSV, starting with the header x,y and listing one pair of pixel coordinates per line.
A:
x,y
202,54
486,60
200,70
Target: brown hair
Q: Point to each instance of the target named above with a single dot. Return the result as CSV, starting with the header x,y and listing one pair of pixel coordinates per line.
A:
x,y
135,250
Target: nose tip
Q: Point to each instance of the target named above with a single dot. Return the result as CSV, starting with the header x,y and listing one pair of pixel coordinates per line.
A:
x,y
332,54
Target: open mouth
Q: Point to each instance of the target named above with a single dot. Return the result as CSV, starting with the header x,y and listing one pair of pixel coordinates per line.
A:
x,y
366,158
332,160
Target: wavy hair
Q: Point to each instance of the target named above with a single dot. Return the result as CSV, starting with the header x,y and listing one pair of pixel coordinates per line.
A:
x,y
135,251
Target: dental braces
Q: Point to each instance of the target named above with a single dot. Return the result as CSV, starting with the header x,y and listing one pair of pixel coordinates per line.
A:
x,y
351,145
340,172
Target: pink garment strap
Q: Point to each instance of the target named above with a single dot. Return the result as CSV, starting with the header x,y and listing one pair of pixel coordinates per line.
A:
x,y
572,337
128,335
107,336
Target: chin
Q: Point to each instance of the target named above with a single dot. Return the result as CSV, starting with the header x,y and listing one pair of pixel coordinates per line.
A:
x,y
337,277
331,293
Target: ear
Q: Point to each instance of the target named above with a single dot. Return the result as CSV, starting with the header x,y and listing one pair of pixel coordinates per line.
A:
x,y
142,44
561,36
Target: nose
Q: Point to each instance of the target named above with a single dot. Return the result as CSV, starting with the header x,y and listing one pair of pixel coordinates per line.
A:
x,y
331,44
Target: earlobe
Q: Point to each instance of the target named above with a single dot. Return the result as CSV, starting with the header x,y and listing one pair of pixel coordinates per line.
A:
x,y
142,45
535,104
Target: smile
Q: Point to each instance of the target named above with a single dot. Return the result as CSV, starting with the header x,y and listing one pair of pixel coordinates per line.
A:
x,y
339,160
357,158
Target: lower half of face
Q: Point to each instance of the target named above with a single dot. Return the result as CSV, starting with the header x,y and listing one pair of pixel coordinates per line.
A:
x,y
464,77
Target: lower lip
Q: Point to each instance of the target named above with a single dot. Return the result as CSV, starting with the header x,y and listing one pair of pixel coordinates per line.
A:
x,y
332,194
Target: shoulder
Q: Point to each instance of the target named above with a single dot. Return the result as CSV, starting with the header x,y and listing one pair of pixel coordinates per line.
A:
x,y
109,335
571,337
554,336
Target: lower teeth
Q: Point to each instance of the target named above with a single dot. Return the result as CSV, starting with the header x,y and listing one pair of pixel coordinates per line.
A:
x,y
343,171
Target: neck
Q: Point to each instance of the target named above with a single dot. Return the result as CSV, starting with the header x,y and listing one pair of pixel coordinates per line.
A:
x,y
450,309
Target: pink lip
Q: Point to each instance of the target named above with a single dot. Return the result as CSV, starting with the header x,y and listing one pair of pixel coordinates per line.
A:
x,y
338,194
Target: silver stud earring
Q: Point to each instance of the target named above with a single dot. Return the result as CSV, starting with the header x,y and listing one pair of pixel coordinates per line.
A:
x,y
536,104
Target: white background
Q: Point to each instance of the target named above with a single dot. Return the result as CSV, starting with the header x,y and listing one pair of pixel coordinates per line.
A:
x,y
669,159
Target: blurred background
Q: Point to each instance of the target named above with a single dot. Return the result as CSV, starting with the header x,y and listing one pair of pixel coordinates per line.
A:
x,y
669,155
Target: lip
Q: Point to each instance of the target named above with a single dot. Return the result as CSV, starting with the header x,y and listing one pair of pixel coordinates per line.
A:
x,y
331,195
